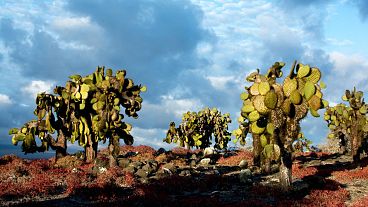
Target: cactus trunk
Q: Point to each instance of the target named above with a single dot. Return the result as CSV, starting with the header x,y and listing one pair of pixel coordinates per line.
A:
x,y
61,149
285,170
257,149
59,145
114,148
355,143
90,150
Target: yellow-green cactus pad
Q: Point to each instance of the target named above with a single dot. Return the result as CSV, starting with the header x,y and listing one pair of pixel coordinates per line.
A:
x,y
263,139
309,90
314,113
256,129
263,87
314,76
315,103
295,97
259,104
289,86
303,71
270,128
253,116
254,89
271,100
247,108
244,96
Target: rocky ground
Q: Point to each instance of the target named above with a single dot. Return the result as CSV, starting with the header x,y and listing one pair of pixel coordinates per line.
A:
x,y
146,177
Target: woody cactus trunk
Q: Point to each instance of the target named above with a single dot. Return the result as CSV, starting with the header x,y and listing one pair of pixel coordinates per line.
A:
x,y
87,111
349,123
272,112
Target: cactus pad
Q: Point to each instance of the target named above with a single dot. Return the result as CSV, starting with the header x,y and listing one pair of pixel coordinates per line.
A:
x,y
309,90
259,104
271,100
295,97
263,87
303,71
289,86
315,75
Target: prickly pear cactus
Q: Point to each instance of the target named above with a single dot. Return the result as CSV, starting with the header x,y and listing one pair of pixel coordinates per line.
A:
x,y
302,143
349,124
47,106
271,112
196,129
87,111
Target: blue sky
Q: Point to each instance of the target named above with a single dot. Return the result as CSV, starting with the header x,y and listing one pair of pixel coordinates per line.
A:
x,y
190,54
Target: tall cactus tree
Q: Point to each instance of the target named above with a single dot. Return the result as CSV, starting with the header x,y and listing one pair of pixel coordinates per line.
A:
x,y
87,110
196,129
349,123
272,112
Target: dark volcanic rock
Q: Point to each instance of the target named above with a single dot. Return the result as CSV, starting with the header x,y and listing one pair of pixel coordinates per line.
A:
x,y
123,162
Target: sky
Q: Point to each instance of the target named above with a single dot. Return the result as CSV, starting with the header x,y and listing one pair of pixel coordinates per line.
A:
x,y
189,53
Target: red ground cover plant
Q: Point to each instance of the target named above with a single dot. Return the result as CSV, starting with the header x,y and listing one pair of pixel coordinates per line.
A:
x,y
140,149
362,202
330,194
24,178
299,171
183,151
235,159
312,154
349,175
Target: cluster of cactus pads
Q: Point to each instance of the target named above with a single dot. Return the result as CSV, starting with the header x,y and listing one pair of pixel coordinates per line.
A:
x,y
349,124
272,112
86,110
302,143
197,128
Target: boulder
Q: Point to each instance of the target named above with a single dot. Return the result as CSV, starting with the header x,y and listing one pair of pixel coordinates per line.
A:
x,y
169,168
245,176
243,164
141,173
123,162
205,161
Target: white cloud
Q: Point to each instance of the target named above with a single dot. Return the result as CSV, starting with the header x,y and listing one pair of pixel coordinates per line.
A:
x,y
71,22
174,106
37,86
5,99
152,137
338,42
220,82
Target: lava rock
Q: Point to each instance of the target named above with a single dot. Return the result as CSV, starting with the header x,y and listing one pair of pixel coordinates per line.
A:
x,y
131,154
243,164
130,169
170,168
160,151
192,163
141,173
102,162
245,176
148,168
123,162
209,152
205,161
136,164
185,173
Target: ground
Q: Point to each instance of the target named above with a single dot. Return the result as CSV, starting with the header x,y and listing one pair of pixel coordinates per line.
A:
x,y
146,177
